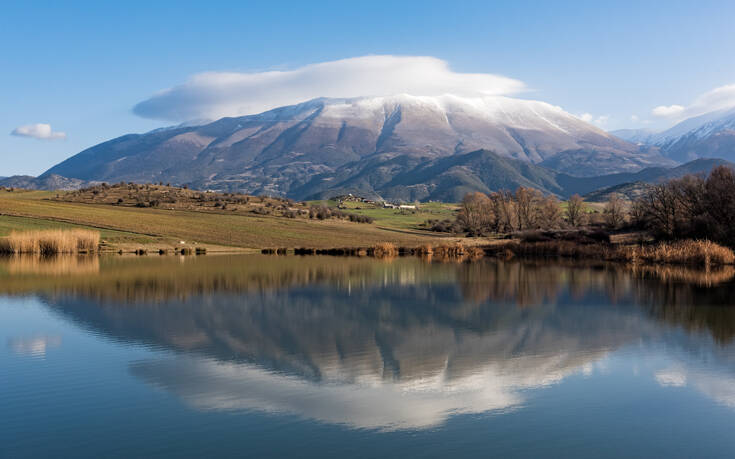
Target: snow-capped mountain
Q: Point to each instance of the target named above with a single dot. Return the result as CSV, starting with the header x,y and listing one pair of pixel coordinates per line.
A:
x,y
361,144
711,135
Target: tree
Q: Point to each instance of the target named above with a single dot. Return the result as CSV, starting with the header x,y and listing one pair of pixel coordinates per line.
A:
x,y
503,206
476,213
614,211
575,212
527,202
549,213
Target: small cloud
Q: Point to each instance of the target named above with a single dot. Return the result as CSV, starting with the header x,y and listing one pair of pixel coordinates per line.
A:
x,y
38,131
720,98
213,95
668,111
599,121
634,118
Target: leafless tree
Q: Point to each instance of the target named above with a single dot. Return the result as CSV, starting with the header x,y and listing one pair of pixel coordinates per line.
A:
x,y
575,212
614,211
549,213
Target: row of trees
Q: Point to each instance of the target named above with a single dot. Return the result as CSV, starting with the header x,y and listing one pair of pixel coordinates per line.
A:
x,y
693,206
525,209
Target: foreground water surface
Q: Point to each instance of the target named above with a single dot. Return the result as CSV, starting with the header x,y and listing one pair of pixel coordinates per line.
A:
x,y
349,357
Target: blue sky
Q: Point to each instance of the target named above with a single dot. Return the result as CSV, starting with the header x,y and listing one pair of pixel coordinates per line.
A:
x,y
81,67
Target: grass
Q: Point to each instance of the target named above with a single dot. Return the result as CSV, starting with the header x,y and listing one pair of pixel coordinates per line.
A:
x,y
169,227
397,218
50,242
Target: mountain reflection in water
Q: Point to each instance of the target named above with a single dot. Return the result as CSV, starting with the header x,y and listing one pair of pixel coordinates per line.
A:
x,y
391,345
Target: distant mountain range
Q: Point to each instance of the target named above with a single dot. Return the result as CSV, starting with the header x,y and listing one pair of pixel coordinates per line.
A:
x,y
398,147
711,135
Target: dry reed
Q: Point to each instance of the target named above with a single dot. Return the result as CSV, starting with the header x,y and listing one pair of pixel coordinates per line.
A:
x,y
384,250
695,253
50,242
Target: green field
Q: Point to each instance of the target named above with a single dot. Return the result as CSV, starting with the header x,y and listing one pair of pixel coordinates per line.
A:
x,y
398,218
127,227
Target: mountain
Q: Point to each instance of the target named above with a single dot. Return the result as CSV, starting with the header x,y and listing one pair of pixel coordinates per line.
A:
x,y
45,182
637,136
711,135
372,145
633,184
446,178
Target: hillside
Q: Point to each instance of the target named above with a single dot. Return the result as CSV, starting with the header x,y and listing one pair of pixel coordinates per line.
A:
x,y
375,146
582,186
129,226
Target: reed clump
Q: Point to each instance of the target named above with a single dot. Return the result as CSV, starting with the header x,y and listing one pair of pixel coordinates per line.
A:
x,y
384,250
50,242
690,252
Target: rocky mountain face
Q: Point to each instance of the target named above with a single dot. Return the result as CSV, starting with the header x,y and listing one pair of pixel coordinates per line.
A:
x,y
399,147
711,135
45,182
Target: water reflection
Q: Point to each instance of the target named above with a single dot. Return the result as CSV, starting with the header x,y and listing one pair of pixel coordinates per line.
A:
x,y
34,346
400,345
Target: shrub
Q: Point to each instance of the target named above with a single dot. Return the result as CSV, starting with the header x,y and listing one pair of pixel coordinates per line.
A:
x,y
385,250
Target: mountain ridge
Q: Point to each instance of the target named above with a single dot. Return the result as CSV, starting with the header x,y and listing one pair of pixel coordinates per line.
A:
x,y
710,135
366,142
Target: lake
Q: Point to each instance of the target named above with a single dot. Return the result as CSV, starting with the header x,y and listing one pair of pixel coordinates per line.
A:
x,y
258,356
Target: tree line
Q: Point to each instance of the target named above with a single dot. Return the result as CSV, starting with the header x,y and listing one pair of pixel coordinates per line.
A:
x,y
694,206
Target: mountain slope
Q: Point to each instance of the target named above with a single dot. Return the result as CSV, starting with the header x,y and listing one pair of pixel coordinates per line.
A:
x,y
585,185
363,142
442,179
47,182
711,135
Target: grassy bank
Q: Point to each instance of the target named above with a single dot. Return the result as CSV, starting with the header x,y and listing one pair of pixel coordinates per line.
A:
x,y
129,227
688,253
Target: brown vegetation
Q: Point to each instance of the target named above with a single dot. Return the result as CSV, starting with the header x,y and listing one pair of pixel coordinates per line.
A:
x,y
175,198
506,212
384,250
694,253
691,207
49,242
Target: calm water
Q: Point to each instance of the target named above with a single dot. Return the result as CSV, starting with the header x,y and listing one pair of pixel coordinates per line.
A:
x,y
344,357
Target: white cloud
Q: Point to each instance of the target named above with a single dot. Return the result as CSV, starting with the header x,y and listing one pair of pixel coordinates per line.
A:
x,y
634,118
668,111
213,95
716,99
599,121
38,131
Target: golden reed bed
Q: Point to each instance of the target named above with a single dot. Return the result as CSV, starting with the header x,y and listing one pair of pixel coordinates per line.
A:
x,y
50,242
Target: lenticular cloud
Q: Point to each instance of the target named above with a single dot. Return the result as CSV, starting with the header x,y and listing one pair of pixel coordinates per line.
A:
x,y
214,95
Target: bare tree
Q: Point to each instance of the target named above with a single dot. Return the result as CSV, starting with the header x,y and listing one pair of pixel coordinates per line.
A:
x,y
504,210
575,212
614,211
549,213
476,213
527,202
